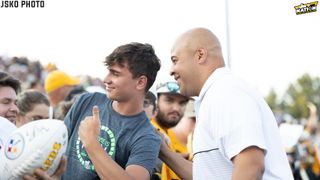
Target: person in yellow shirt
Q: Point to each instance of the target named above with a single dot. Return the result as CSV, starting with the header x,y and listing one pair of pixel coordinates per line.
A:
x,y
170,109
184,129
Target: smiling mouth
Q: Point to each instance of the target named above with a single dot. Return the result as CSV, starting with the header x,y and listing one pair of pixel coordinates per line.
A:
x,y
11,118
176,77
109,88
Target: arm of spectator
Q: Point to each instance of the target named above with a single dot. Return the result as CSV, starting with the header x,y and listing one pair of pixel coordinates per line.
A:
x,y
104,165
249,164
181,166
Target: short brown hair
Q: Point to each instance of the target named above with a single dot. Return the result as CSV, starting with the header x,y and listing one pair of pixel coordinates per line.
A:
x,y
141,60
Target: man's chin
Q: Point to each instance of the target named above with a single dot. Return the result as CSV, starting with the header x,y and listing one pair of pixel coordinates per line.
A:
x,y
172,124
12,119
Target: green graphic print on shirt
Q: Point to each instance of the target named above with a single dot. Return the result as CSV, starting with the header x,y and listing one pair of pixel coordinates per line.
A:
x,y
107,142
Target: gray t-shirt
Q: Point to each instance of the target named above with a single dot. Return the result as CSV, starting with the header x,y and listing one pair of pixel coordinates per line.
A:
x,y
127,139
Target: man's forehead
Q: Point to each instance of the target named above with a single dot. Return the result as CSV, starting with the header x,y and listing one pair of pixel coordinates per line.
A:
x,y
176,45
7,91
120,68
175,52
118,65
5,98
175,96
180,45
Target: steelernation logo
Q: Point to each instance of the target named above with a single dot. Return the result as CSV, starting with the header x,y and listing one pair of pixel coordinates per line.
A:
x,y
306,8
107,142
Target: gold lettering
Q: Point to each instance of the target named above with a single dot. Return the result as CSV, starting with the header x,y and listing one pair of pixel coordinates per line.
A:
x,y
52,156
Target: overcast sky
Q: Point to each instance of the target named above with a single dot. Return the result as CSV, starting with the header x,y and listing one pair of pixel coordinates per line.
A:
x,y
270,46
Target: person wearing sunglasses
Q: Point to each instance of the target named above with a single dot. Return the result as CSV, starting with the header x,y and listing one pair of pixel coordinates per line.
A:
x,y
170,109
184,129
33,105
236,135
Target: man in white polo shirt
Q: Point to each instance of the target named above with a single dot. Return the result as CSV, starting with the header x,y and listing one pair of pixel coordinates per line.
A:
x,y
236,135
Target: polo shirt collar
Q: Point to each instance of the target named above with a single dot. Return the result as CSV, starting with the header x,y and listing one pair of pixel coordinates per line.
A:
x,y
215,75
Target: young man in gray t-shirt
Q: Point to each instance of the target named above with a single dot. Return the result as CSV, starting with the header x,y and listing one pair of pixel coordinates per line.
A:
x,y
110,137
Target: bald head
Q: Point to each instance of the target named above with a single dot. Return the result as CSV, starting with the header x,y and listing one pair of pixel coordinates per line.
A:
x,y
195,55
201,38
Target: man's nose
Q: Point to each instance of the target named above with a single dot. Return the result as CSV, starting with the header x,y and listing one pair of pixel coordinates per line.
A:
x,y
13,107
171,70
177,107
107,79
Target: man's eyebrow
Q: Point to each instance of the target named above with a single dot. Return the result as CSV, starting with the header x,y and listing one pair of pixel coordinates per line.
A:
x,y
8,99
113,70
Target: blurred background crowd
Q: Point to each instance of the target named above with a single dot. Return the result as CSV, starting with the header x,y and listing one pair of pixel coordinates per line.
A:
x,y
32,73
296,111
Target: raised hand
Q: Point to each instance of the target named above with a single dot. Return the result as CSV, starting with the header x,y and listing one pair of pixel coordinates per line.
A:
x,y
89,129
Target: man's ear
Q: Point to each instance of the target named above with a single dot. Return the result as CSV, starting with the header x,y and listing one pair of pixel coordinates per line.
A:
x,y
142,82
201,55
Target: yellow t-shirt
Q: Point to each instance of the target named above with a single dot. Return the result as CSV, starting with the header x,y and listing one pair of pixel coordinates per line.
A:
x,y
175,145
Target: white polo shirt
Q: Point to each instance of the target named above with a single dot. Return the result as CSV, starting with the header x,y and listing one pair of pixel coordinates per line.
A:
x,y
231,116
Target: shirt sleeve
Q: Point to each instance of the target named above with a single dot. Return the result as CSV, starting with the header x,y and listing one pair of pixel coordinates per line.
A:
x,y
245,126
144,152
70,119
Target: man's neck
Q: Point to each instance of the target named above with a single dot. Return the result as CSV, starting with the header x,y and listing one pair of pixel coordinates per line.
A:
x,y
130,108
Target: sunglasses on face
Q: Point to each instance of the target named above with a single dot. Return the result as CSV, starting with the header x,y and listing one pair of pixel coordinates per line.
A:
x,y
172,86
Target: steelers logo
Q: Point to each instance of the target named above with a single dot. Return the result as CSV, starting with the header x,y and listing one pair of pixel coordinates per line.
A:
x,y
14,146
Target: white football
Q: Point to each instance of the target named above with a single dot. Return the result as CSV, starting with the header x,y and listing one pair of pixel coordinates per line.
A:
x,y
38,144
6,127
